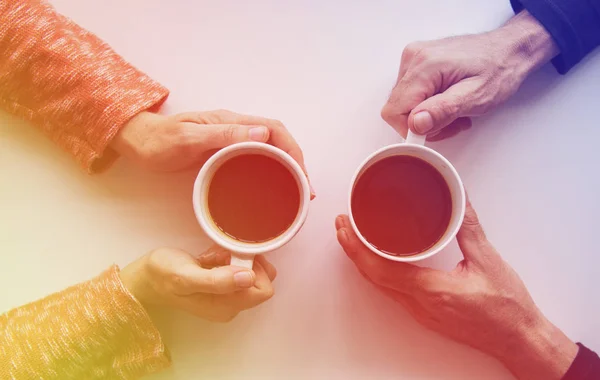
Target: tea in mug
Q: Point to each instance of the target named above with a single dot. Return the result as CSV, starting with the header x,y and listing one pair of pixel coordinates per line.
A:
x,y
401,205
253,198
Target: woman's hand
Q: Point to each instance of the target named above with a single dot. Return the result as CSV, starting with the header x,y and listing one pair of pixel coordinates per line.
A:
x,y
442,83
482,302
206,287
177,142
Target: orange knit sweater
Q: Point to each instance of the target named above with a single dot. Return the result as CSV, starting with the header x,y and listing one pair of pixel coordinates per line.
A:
x,y
70,84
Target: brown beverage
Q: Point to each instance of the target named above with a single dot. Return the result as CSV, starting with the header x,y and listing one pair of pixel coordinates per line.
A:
x,y
402,205
253,198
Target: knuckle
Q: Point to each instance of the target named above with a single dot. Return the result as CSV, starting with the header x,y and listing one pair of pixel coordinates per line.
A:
x,y
278,124
156,257
218,116
212,281
412,49
449,107
222,112
176,280
423,55
268,293
386,112
229,133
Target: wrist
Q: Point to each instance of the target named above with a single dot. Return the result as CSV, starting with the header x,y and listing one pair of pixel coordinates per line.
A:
x,y
530,44
541,351
133,280
126,141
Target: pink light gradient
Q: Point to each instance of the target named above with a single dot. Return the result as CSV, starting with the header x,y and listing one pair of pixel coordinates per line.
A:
x,y
325,69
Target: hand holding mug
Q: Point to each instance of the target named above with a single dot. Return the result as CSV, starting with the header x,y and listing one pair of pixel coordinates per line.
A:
x,y
207,287
176,142
482,302
444,82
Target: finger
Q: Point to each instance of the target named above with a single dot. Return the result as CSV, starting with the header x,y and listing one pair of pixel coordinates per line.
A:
x,y
223,307
215,256
412,89
472,240
279,136
246,299
263,281
193,278
216,136
267,266
438,111
407,58
283,139
340,221
402,277
458,125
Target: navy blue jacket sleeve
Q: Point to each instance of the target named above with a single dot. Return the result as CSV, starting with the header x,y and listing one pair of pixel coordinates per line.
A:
x,y
586,365
573,24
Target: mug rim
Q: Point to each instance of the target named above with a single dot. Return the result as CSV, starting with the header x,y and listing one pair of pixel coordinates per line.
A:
x,y
430,252
251,249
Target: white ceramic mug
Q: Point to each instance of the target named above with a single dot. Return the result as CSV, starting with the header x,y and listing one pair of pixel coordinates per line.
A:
x,y
414,146
242,253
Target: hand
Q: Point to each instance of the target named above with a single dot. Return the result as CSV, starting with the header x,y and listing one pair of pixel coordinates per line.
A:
x,y
206,287
177,142
442,83
482,302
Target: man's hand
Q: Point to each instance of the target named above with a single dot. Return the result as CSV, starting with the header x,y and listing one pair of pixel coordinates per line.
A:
x,y
482,302
442,83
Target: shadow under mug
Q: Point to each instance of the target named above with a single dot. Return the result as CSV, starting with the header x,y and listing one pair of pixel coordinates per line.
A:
x,y
242,253
415,146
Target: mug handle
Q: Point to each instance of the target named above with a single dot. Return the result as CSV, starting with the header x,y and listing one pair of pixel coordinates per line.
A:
x,y
243,261
413,138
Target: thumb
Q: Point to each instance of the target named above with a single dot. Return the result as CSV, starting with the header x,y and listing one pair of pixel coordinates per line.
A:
x,y
472,240
440,110
219,280
221,135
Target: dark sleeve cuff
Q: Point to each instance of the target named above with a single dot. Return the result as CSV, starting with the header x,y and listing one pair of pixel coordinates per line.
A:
x,y
586,365
573,24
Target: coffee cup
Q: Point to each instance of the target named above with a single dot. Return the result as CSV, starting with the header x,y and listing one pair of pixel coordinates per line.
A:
x,y
414,146
243,251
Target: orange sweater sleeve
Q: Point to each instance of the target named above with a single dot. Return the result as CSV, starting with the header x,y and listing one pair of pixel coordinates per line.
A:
x,y
94,330
67,82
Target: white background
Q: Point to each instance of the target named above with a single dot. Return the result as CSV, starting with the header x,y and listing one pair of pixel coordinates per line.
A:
x,y
325,69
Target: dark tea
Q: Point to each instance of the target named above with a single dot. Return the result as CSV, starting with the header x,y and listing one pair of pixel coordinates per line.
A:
x,y
401,205
253,198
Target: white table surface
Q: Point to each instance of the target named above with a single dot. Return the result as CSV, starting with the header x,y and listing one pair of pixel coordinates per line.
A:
x,y
325,69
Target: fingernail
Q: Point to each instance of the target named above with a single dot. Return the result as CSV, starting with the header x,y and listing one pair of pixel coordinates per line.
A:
x,y
312,192
207,256
258,134
343,235
243,279
423,122
339,222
